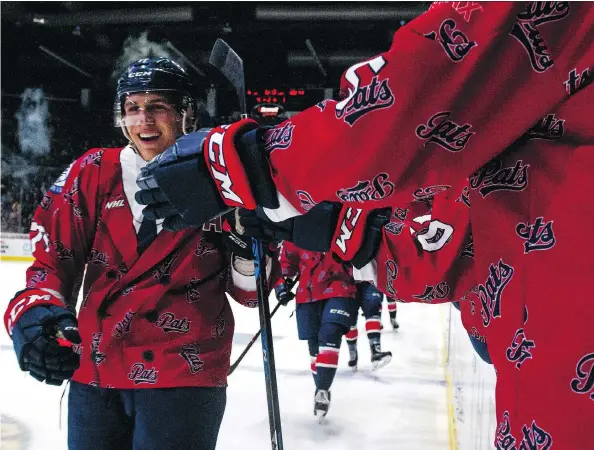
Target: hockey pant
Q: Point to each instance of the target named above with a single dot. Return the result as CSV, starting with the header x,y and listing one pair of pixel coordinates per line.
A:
x,y
322,324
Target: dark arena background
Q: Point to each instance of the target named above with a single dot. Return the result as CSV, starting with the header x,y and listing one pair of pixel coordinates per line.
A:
x,y
60,62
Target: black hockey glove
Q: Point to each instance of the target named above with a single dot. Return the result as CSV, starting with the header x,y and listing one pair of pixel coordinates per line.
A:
x,y
176,186
312,231
194,181
316,231
42,338
283,293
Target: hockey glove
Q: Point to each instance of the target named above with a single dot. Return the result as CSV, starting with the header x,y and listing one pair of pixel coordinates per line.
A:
x,y
203,176
283,294
42,335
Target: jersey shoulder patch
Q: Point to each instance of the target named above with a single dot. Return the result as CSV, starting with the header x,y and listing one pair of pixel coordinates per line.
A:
x,y
61,181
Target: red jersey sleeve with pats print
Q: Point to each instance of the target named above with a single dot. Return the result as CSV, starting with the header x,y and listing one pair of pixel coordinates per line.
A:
x,y
63,226
460,84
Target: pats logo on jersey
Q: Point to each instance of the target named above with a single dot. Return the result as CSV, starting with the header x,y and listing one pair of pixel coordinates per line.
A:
x,y
431,293
583,383
218,328
376,189
40,275
169,323
526,31
139,373
464,197
97,356
391,275
533,437
191,354
447,134
494,177
306,201
365,97
93,158
490,293
163,271
537,236
542,12
123,326
279,138
192,291
455,43
62,251
549,128
575,81
99,258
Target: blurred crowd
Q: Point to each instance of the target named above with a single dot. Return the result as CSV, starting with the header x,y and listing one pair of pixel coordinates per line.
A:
x,y
26,177
72,131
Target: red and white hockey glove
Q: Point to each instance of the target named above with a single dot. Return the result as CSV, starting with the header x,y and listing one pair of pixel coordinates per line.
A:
x,y
205,174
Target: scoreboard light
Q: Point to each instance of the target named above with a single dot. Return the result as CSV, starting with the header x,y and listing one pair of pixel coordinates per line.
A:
x,y
274,95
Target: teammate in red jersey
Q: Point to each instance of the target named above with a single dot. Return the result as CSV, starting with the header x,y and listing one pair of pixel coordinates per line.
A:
x,y
479,113
149,352
326,307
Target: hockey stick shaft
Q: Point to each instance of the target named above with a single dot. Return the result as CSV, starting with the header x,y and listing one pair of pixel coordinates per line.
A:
x,y
251,343
290,286
230,65
268,349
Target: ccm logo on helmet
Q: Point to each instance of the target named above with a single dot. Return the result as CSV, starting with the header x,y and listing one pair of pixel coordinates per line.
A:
x,y
347,227
216,157
139,74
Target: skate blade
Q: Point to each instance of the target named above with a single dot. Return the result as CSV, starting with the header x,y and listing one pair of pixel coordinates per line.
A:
x,y
379,364
354,368
321,418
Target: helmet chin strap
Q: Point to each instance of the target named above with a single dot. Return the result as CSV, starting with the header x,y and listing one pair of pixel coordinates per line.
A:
x,y
188,116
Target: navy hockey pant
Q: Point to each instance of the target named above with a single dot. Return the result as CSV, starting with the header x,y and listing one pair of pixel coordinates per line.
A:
x,y
322,324
185,418
370,300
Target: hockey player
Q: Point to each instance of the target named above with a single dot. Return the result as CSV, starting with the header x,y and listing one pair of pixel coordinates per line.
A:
x,y
149,352
326,307
369,299
480,111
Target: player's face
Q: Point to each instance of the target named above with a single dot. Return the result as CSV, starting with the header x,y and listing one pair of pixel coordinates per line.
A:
x,y
152,122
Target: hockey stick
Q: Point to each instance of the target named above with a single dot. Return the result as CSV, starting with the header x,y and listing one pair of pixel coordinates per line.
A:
x,y
252,342
257,335
230,65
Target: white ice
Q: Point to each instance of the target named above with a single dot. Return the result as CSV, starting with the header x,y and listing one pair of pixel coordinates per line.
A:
x,y
401,406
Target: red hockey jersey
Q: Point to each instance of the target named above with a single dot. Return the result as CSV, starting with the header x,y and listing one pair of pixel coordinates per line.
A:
x,y
320,275
483,111
160,319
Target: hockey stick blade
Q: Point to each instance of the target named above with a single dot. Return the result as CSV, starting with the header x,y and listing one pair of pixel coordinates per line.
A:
x,y
226,61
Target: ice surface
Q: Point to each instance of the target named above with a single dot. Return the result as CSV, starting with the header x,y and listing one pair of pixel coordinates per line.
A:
x,y
401,406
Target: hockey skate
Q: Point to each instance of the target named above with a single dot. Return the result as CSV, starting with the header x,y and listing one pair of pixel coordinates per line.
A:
x,y
321,404
353,357
378,358
395,325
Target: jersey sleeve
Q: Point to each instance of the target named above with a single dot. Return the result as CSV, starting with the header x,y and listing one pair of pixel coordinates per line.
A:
x,y
289,260
427,252
460,84
63,228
